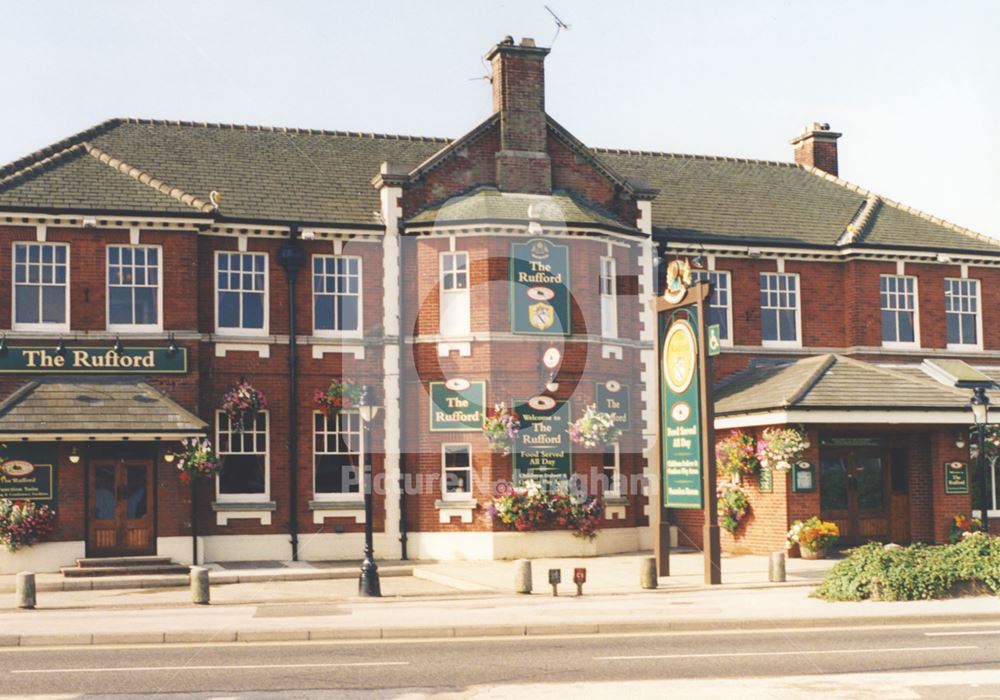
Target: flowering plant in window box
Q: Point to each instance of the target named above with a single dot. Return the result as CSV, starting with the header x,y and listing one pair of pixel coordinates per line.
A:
x,y
500,428
594,428
534,506
962,525
22,524
733,507
341,394
736,454
814,537
779,448
242,403
197,459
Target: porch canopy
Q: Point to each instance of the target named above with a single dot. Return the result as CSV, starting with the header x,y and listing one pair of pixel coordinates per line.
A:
x,y
106,409
833,389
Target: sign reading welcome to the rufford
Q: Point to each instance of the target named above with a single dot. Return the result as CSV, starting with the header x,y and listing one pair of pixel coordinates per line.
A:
x,y
93,360
543,450
680,414
457,404
539,288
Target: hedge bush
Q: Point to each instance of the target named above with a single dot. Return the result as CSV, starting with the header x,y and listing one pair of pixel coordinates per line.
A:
x,y
917,572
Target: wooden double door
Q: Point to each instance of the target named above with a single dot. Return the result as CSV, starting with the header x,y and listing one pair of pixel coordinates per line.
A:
x,y
121,507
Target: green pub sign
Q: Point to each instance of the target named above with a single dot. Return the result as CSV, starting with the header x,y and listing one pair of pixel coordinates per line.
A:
x,y
613,398
680,410
956,477
765,480
539,288
27,474
93,360
543,451
457,405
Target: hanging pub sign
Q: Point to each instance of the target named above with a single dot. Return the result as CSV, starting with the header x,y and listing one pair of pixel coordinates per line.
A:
x,y
539,288
93,360
543,452
956,477
613,398
680,415
457,405
26,473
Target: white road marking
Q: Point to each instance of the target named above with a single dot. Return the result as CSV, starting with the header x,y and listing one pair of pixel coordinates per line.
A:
x,y
960,634
125,669
812,652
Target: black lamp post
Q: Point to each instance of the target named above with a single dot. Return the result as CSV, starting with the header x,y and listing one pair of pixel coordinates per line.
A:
x,y
368,584
980,410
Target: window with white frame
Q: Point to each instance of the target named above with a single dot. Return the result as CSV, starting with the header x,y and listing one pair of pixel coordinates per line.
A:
x,y
336,294
241,293
454,298
611,475
961,312
456,471
899,309
779,308
609,298
337,455
41,286
993,495
720,311
133,287
244,453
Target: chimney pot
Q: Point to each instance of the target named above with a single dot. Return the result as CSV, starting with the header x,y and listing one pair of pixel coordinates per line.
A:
x,y
816,147
528,42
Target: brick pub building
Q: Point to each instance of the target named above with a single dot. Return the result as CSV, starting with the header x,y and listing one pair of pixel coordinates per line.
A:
x,y
154,264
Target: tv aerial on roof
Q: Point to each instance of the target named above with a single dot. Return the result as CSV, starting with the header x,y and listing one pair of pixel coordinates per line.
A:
x,y
560,25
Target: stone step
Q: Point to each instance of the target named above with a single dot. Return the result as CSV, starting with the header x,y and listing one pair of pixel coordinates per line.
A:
x,y
141,570
95,562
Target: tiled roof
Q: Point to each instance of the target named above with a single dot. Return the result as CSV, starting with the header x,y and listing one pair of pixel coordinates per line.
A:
x,y
112,405
269,174
833,382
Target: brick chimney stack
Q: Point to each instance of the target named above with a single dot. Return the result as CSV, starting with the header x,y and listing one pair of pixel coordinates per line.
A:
x,y
523,163
817,146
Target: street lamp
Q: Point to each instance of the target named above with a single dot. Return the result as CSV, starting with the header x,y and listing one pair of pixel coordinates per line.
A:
x,y
980,411
368,584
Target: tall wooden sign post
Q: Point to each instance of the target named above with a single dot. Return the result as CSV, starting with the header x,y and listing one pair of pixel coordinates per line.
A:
x,y
686,445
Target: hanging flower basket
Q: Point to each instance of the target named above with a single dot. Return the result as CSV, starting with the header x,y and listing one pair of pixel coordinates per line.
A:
x,y
733,508
500,428
534,507
22,524
340,395
780,448
197,459
736,455
242,403
594,428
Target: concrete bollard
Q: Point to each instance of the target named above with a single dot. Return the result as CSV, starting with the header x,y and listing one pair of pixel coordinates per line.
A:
x,y
647,572
522,576
776,568
200,593
25,588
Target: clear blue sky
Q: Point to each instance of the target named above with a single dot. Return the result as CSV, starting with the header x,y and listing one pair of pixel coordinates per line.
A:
x,y
912,84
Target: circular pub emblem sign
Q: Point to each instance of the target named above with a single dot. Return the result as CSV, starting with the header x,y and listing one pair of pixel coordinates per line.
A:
x,y
542,403
17,467
679,357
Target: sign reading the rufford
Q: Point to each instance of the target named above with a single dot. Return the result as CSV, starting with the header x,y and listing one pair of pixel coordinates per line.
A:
x,y
543,451
680,414
21,480
539,288
613,398
457,404
93,360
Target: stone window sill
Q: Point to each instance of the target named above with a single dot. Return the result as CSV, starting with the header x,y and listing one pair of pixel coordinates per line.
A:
x,y
615,507
455,509
352,508
254,510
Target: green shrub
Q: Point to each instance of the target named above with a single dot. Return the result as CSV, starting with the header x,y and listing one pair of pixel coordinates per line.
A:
x,y
917,572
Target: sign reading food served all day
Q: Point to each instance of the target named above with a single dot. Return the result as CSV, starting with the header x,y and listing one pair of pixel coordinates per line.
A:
x,y
680,418
539,288
21,480
457,404
543,452
93,360
613,398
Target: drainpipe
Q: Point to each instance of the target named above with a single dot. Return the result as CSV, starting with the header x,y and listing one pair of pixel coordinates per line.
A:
x,y
402,388
292,257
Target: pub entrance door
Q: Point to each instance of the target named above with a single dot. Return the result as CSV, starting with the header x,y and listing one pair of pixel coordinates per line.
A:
x,y
854,488
121,507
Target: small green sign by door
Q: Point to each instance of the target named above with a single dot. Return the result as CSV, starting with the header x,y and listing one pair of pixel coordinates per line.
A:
x,y
457,405
956,477
765,480
714,340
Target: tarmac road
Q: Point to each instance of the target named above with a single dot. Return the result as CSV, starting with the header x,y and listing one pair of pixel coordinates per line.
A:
x,y
940,661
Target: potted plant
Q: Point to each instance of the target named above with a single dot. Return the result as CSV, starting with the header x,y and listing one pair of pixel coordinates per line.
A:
x,y
736,455
779,448
23,523
197,459
814,537
733,507
500,428
594,428
340,394
242,403
962,525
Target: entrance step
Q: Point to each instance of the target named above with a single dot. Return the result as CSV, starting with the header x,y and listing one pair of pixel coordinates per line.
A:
x,y
124,566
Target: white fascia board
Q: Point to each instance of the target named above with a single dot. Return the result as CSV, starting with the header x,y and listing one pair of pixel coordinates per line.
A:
x,y
846,416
